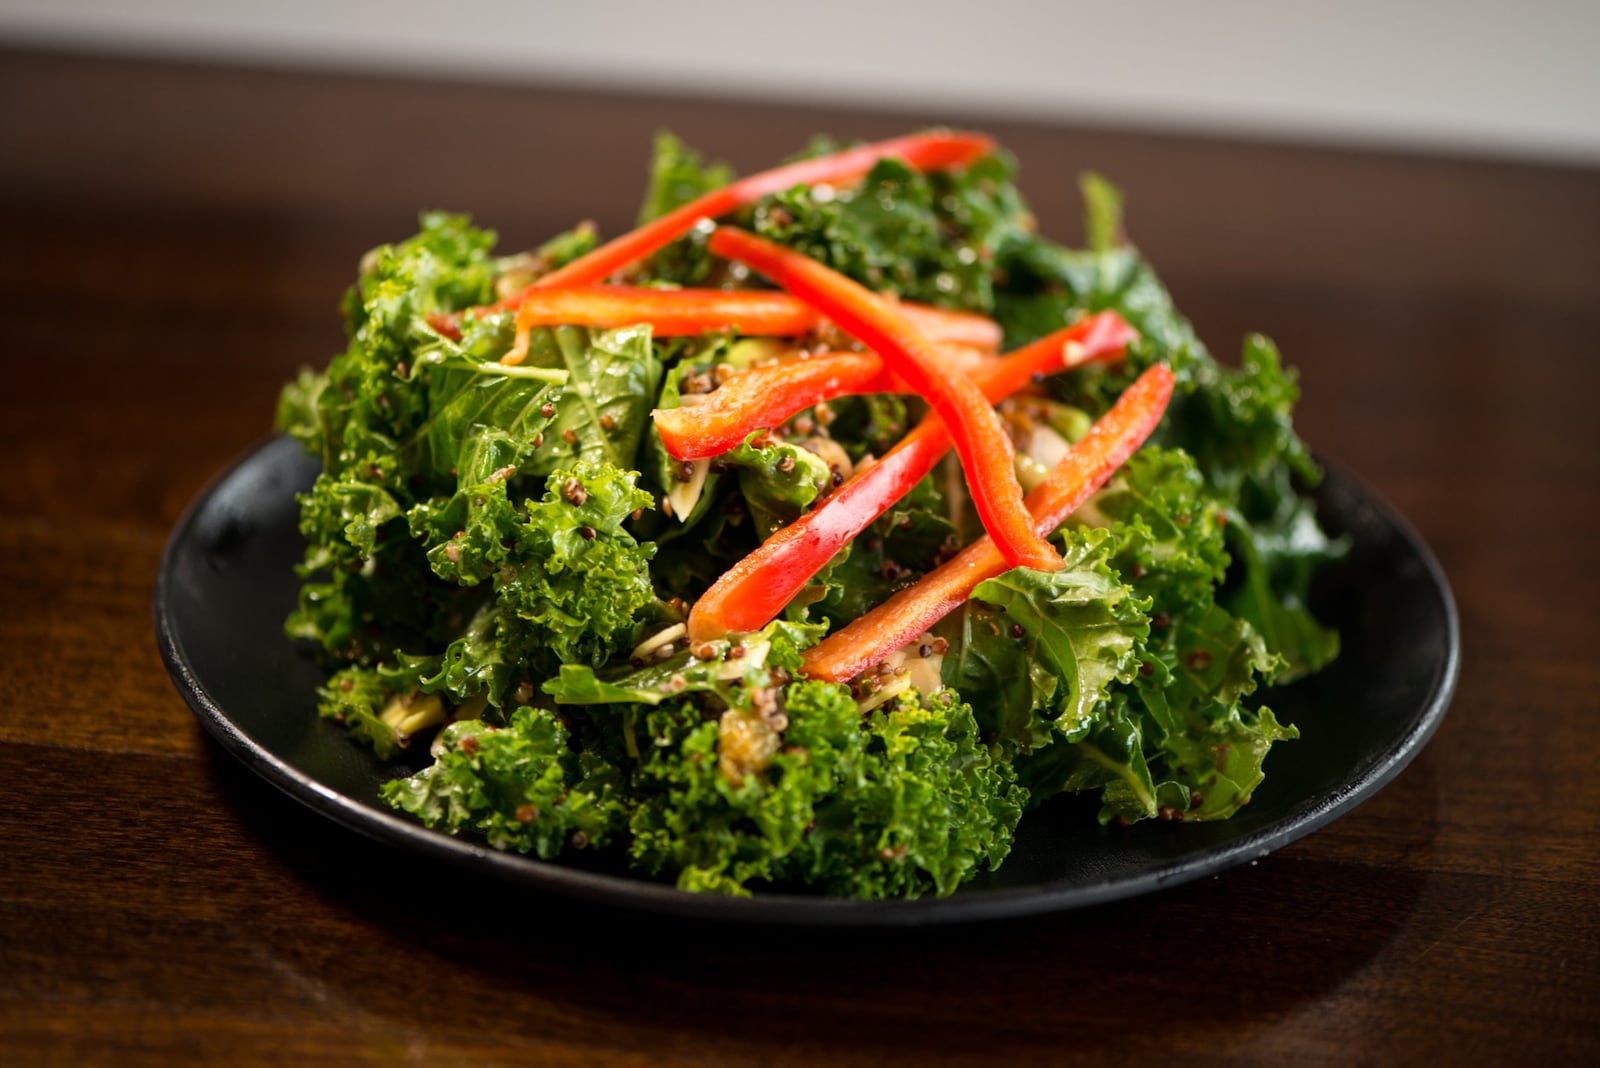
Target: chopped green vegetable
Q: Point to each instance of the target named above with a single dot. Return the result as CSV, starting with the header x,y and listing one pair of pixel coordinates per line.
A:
x,y
1068,633
908,800
523,787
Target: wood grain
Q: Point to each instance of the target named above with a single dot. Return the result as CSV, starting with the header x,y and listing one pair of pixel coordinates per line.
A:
x,y
172,242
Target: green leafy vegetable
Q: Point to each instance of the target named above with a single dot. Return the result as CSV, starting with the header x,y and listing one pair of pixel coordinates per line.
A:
x,y
903,544
720,667
678,176
522,787
907,802
1074,632
582,580
925,237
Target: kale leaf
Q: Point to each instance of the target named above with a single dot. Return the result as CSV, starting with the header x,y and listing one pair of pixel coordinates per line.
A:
x,y
1070,633
905,802
523,787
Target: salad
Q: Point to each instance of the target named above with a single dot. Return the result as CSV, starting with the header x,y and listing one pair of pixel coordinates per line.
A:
x,y
805,536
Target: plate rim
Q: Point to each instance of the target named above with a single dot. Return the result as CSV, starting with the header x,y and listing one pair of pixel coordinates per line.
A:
x,y
779,909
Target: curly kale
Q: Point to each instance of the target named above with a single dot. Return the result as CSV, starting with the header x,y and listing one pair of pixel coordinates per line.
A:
x,y
902,802
581,580
566,581
1045,646
523,787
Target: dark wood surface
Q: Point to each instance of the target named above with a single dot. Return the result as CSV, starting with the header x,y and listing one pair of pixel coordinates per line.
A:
x,y
172,243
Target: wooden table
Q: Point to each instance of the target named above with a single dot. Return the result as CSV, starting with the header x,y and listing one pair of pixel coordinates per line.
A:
x,y
174,239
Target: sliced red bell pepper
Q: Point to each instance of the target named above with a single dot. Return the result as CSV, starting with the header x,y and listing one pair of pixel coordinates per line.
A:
x,y
670,312
757,312
934,150
1098,338
765,312
688,312
763,397
754,591
866,642
975,430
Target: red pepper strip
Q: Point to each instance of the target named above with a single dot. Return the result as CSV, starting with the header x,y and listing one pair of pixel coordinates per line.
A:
x,y
750,595
688,312
778,311
867,641
765,396
935,150
762,397
1098,338
976,431
670,312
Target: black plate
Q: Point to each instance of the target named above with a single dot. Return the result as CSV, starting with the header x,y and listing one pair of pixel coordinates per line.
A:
x,y
226,585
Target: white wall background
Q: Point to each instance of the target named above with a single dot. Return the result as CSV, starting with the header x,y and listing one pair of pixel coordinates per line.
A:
x,y
1504,79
